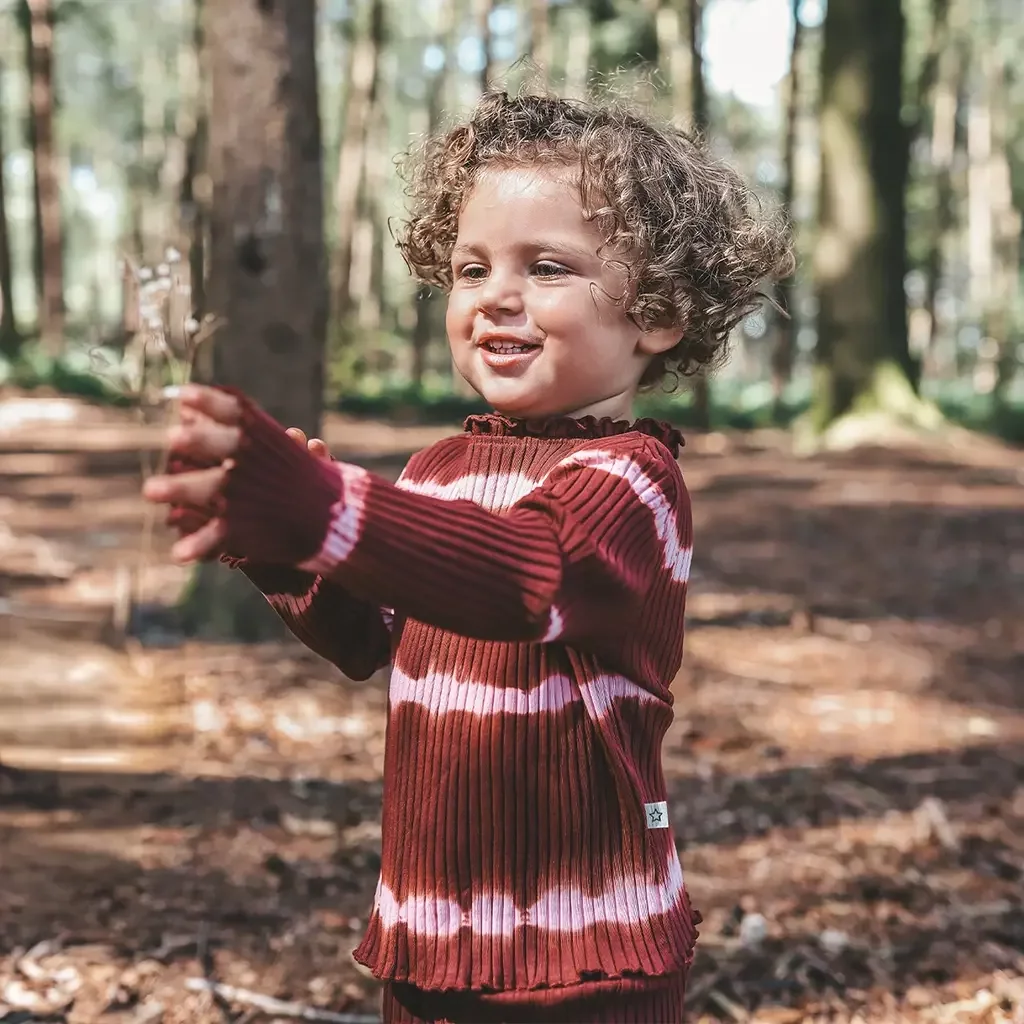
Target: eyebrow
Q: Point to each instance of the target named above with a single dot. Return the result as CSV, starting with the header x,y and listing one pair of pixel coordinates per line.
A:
x,y
538,245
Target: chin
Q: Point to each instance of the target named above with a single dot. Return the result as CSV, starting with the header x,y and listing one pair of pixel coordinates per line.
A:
x,y
523,407
508,401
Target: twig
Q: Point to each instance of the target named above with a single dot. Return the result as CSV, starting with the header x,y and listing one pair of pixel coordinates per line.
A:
x,y
278,1007
933,816
737,1012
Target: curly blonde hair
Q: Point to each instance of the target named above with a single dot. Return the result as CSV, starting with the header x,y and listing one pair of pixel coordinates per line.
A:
x,y
688,233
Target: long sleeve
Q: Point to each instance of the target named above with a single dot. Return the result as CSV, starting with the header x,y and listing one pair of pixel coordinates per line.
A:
x,y
347,631
574,560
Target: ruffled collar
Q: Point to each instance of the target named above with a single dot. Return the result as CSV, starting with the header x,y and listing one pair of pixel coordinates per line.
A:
x,y
566,426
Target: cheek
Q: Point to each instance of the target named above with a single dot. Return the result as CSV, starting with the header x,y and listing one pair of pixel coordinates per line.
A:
x,y
458,316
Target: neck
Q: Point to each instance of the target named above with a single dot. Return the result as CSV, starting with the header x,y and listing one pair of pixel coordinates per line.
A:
x,y
616,407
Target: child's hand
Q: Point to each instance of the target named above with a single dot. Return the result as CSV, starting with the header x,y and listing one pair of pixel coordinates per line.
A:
x,y
208,434
207,437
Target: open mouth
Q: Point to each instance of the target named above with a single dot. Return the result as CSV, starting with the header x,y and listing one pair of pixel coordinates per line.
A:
x,y
508,346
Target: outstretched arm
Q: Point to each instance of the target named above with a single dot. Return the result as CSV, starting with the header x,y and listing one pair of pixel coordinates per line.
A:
x,y
575,560
348,631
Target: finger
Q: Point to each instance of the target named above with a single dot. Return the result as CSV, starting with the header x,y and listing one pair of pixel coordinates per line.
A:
x,y
184,520
212,402
204,439
205,542
318,448
197,488
296,435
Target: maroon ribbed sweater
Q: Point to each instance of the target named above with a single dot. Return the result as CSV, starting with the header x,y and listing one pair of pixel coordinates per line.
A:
x,y
527,582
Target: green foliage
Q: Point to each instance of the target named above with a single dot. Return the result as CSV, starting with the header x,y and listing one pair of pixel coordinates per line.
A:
x,y
410,405
624,38
984,413
73,373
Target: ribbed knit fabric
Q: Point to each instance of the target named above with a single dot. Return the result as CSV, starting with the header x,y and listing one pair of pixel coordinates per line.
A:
x,y
528,583
622,1001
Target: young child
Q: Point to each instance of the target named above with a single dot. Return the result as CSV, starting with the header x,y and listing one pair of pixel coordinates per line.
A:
x,y
526,578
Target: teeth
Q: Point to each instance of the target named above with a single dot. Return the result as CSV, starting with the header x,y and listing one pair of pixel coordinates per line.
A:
x,y
507,346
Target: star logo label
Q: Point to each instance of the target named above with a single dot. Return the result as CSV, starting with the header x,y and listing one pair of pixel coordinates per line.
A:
x,y
656,814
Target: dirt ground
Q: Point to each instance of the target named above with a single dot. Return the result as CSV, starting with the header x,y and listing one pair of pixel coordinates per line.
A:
x,y
846,767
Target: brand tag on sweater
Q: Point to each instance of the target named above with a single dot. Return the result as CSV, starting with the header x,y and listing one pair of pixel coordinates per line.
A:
x,y
657,814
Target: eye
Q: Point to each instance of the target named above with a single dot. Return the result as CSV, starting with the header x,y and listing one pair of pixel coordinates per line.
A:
x,y
548,268
471,272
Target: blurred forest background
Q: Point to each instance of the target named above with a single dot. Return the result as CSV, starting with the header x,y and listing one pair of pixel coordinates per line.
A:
x,y
190,804
894,137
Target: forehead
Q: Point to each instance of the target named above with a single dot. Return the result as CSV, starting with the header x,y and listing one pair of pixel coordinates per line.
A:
x,y
507,197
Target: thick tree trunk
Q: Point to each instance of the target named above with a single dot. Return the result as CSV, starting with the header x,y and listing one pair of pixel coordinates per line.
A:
x,y
10,340
50,255
267,273
784,349
863,356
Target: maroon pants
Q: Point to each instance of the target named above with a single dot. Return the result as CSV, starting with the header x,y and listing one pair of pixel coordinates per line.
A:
x,y
623,1001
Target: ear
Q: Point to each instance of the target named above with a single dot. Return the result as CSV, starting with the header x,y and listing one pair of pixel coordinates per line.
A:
x,y
661,339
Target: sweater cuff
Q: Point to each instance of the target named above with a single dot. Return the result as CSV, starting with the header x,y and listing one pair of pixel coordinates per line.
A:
x,y
278,500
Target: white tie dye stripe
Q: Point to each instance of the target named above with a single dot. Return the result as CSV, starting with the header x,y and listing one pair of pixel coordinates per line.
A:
x,y
346,525
626,901
500,491
677,555
494,491
440,694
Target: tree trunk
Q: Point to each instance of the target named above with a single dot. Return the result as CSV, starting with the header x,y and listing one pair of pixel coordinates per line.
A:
x,y
267,274
1005,223
786,326
699,119
360,97
25,23
539,40
155,209
10,340
675,57
50,255
577,53
863,357
949,84
428,300
196,186
484,10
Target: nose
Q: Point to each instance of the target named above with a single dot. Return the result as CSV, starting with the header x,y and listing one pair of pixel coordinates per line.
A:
x,y
501,294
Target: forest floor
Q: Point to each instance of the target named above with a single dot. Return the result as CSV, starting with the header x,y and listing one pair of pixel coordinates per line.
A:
x,y
846,768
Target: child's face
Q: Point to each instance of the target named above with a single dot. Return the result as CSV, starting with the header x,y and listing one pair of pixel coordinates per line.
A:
x,y
532,320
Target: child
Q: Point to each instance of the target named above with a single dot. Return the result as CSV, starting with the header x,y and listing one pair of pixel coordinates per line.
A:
x,y
526,579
